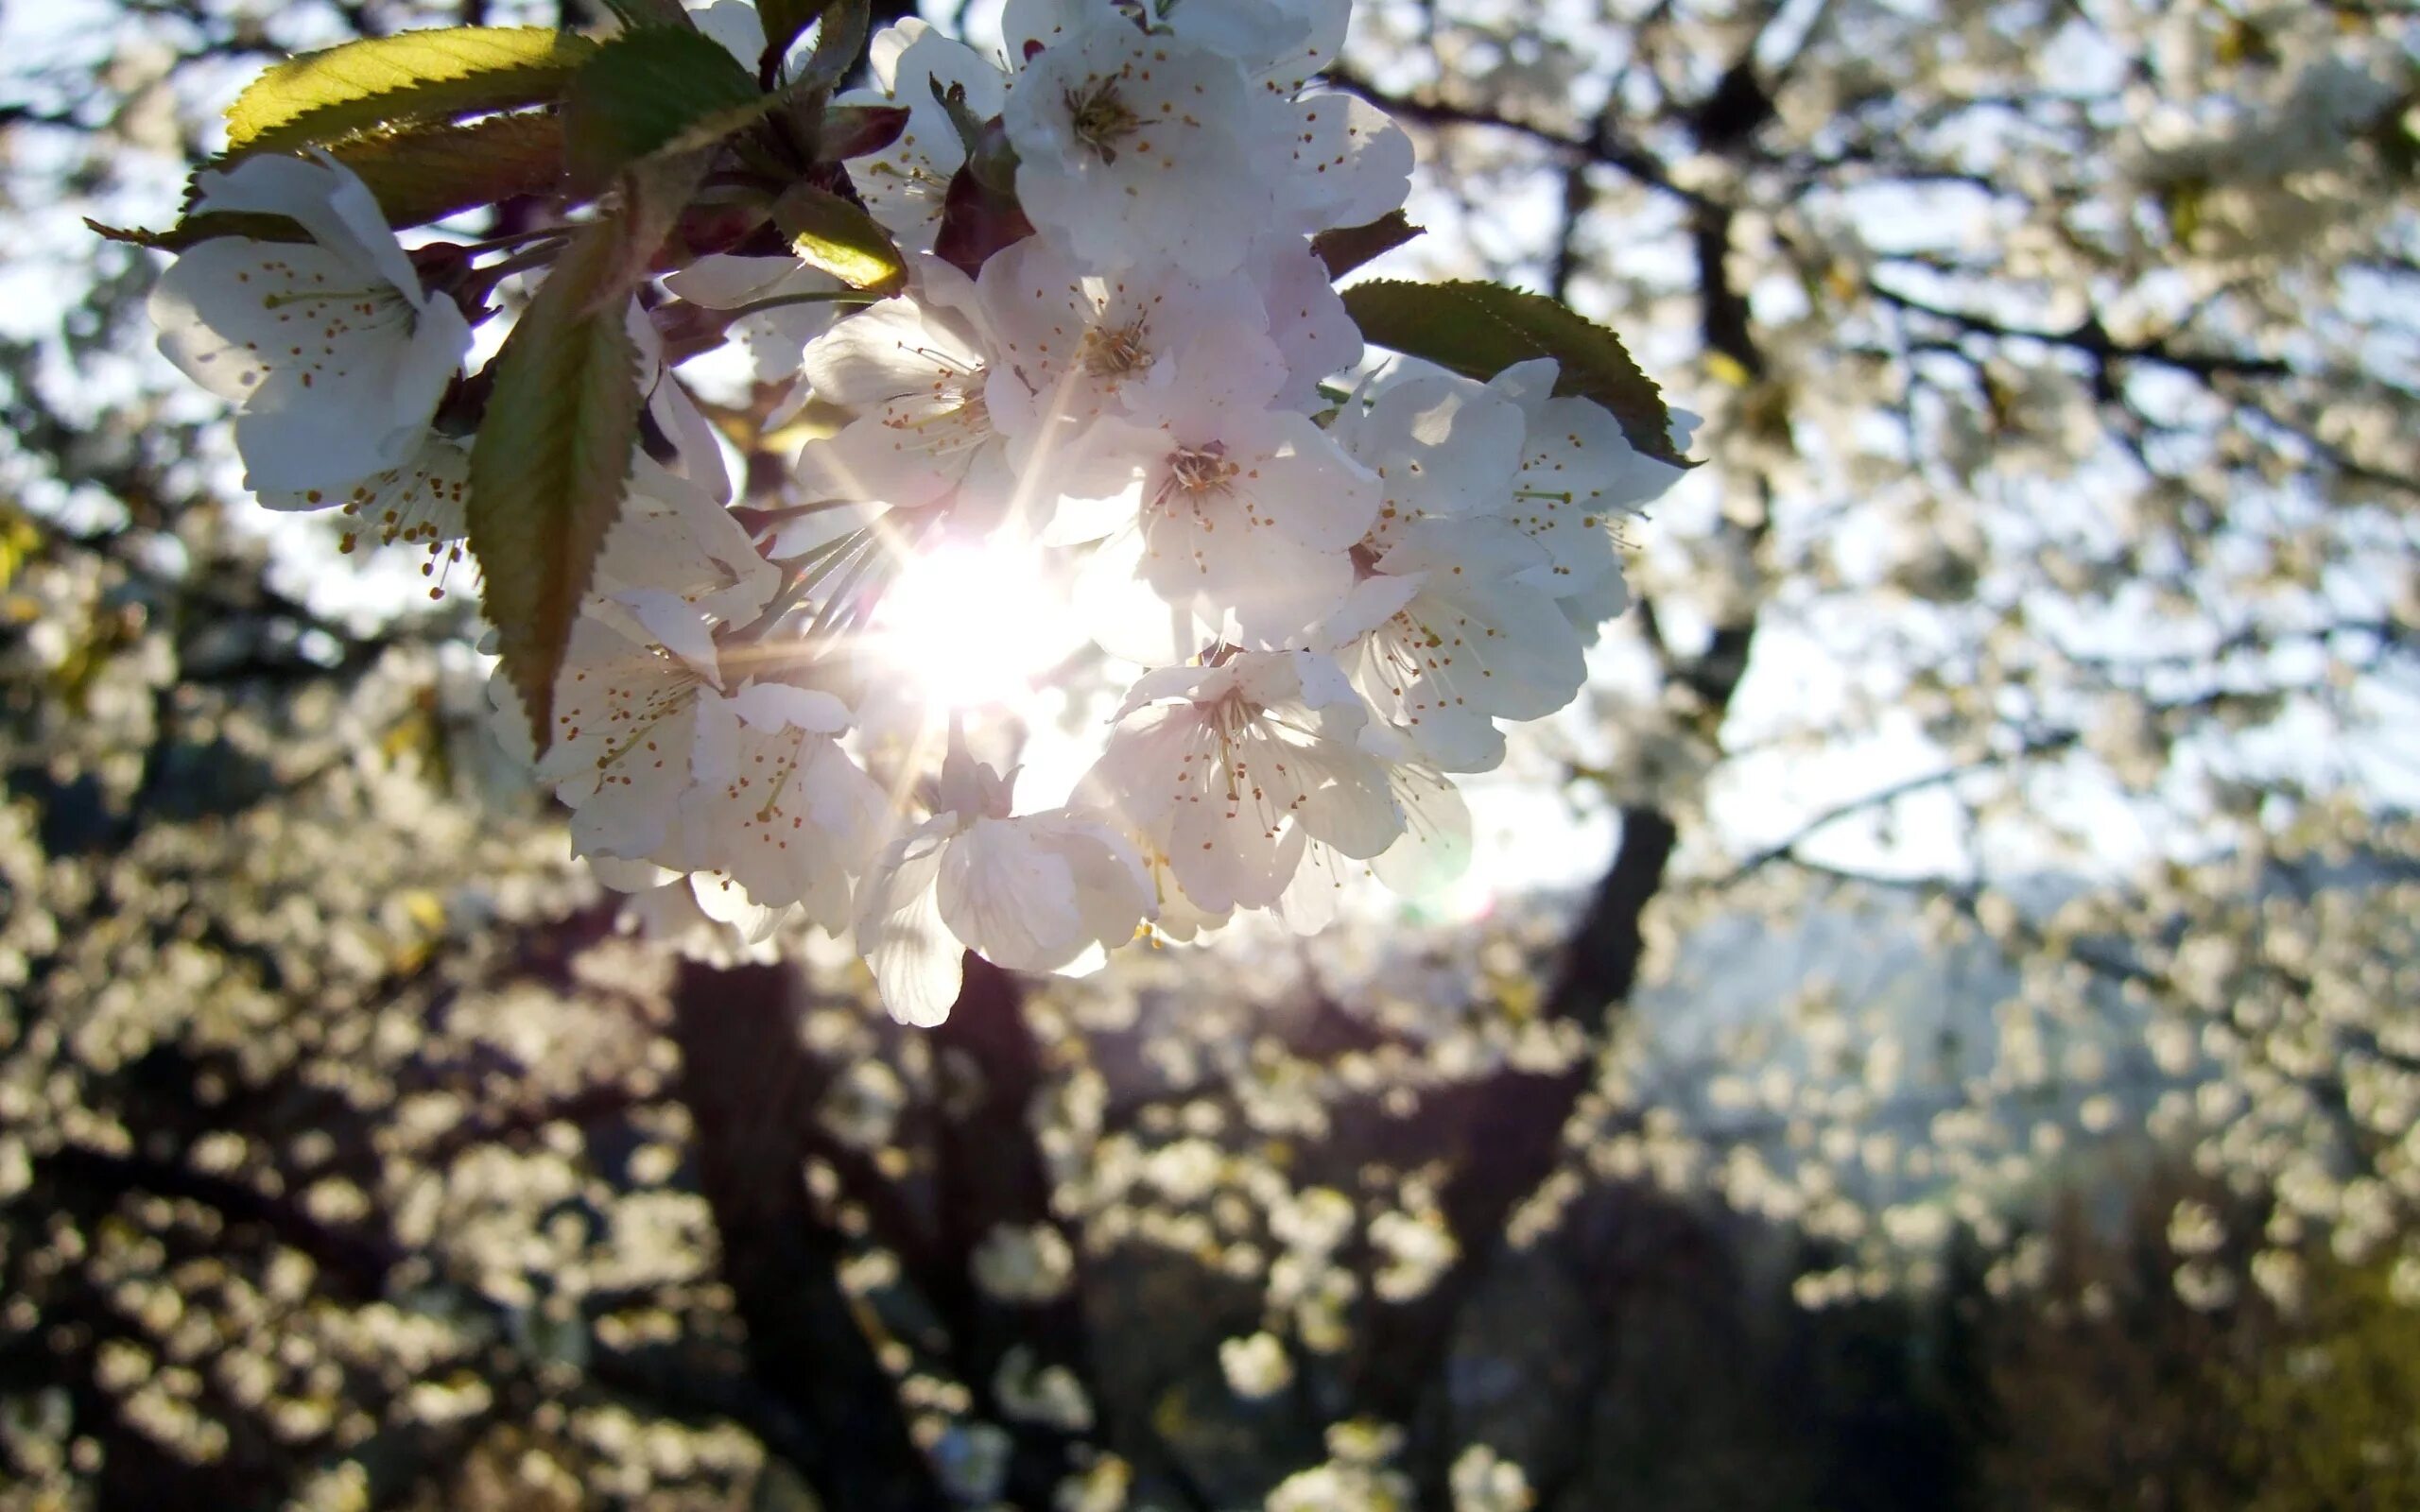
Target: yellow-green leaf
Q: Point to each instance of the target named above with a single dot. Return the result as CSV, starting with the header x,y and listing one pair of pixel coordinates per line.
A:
x,y
414,76
829,233
1478,330
416,176
194,230
422,176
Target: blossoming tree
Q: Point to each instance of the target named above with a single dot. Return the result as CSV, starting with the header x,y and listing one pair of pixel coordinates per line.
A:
x,y
2046,593
1078,325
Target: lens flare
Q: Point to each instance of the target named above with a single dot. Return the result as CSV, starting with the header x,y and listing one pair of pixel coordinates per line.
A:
x,y
973,624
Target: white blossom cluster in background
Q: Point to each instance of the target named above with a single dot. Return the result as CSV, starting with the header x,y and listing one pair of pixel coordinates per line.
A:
x,y
1326,589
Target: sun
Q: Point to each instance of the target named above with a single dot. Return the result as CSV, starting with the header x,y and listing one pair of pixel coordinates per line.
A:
x,y
975,624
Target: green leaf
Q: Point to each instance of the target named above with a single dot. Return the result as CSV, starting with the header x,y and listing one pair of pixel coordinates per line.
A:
x,y
552,462
418,177
656,90
837,46
785,22
1478,330
633,14
193,229
414,76
831,233
651,196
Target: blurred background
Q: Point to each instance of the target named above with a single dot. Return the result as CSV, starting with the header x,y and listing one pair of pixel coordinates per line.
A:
x,y
1935,1027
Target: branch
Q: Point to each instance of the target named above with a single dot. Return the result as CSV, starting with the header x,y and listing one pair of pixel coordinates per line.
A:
x,y
2092,339
1604,145
2056,740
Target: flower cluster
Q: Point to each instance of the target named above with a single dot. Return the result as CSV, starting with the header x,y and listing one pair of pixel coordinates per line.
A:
x,y
1326,589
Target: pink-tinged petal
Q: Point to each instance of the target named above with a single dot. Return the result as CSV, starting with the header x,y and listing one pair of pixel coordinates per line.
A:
x,y
916,962
1011,898
783,705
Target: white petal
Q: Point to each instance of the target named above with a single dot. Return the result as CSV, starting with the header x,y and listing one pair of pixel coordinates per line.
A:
x,y
674,621
1010,897
916,962
325,199
1435,845
1309,903
776,705
726,901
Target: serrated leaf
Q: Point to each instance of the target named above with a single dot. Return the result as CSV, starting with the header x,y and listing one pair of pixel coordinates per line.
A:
x,y
653,194
829,233
837,46
193,229
656,90
637,14
551,464
785,22
418,177
1478,330
413,75
1347,247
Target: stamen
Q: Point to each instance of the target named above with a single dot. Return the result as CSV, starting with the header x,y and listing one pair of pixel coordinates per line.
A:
x,y
1099,118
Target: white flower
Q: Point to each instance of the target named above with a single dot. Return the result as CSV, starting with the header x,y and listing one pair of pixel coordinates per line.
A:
x,y
1237,527
1137,149
1022,1263
419,504
736,26
1278,44
1229,770
673,541
1578,477
334,351
916,367
1350,163
1030,893
1332,159
669,908
779,809
1442,446
625,743
1433,849
1306,319
1075,345
776,336
1255,1366
1467,638
1484,1481
697,446
906,183
677,566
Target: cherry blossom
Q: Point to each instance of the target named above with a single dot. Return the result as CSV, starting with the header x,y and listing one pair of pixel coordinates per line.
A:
x,y
1228,770
1137,148
335,353
1578,477
1472,640
1029,892
778,809
1145,429
906,181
